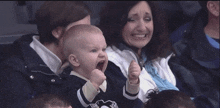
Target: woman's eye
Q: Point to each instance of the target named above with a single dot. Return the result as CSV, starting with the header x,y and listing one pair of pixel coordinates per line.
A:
x,y
130,20
147,19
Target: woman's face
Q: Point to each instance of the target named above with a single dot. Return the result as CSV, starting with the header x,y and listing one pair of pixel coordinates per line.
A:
x,y
138,30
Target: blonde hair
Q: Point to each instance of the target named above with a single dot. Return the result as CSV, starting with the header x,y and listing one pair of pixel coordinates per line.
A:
x,y
76,32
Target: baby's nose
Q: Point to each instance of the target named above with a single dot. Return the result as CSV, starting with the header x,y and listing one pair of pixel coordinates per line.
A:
x,y
102,54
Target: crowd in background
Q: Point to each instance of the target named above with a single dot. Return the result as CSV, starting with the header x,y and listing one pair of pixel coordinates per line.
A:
x,y
129,54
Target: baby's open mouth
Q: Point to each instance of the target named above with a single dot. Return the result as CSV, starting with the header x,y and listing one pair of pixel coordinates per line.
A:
x,y
100,65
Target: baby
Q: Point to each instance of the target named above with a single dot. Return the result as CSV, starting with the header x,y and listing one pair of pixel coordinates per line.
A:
x,y
90,87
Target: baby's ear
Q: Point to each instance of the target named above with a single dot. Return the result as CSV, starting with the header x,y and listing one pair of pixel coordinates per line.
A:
x,y
73,60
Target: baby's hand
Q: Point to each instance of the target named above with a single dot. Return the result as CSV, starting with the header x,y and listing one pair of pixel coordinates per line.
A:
x,y
134,71
97,77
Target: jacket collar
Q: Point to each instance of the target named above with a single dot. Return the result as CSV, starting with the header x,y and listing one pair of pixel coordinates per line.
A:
x,y
49,58
32,60
141,61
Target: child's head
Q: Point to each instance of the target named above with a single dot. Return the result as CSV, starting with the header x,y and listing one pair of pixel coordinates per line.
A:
x,y
169,99
48,101
85,49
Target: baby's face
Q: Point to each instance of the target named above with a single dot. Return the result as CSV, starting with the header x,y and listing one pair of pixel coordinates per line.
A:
x,y
91,52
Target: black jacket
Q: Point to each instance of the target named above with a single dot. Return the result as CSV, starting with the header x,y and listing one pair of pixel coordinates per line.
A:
x,y
24,75
114,96
196,64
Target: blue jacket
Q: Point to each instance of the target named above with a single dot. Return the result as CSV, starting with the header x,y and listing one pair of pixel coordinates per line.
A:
x,y
24,76
196,64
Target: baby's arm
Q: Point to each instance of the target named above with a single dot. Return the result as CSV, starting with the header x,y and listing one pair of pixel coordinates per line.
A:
x,y
91,88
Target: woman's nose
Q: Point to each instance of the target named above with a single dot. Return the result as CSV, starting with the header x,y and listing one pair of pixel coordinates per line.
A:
x,y
141,26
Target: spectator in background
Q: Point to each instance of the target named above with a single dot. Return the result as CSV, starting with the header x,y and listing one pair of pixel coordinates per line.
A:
x,y
38,65
49,101
196,64
95,6
179,12
169,99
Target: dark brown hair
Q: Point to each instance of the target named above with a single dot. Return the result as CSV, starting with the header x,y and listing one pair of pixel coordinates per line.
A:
x,y
48,100
58,13
169,99
114,16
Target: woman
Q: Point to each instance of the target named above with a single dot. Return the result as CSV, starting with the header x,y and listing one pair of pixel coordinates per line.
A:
x,y
135,30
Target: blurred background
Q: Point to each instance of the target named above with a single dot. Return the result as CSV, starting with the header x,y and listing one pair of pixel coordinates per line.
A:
x,y
17,17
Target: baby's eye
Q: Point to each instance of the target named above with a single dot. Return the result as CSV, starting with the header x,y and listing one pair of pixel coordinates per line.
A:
x,y
103,49
93,50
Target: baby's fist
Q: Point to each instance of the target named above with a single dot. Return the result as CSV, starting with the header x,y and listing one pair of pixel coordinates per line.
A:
x,y
134,71
97,77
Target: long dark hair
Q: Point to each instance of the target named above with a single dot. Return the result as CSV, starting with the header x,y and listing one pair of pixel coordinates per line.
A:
x,y
113,18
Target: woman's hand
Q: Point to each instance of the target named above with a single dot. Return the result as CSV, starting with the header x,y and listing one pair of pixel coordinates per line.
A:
x,y
134,71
